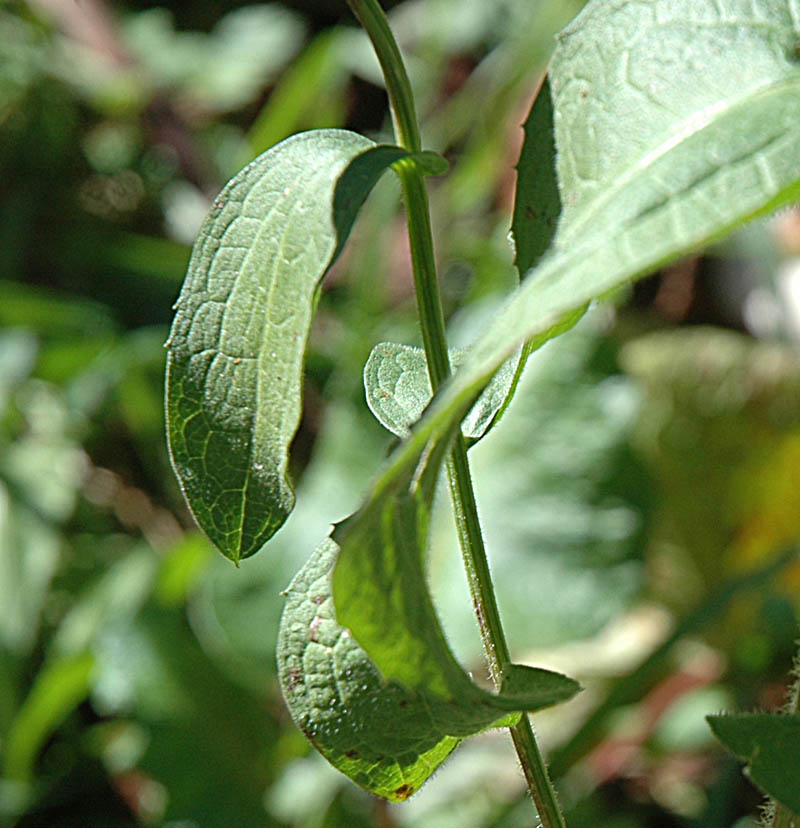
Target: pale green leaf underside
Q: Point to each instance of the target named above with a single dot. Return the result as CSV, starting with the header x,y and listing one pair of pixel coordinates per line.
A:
x,y
386,736
398,388
236,348
674,123
381,735
770,745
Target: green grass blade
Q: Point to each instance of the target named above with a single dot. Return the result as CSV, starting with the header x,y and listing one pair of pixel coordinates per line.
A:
x,y
59,687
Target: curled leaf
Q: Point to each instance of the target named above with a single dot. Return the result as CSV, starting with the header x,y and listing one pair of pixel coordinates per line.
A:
x,y
237,344
387,736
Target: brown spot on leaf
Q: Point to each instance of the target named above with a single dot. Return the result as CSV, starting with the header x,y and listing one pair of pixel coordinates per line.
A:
x,y
293,678
318,599
312,630
404,791
351,754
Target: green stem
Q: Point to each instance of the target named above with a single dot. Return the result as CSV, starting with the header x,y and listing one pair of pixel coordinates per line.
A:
x,y
429,305
401,100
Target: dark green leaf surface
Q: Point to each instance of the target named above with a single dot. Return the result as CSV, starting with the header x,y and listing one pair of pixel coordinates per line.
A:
x,y
235,360
388,736
537,206
770,744
661,149
398,388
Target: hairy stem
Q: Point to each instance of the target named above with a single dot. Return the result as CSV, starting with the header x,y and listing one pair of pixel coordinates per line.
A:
x,y
429,305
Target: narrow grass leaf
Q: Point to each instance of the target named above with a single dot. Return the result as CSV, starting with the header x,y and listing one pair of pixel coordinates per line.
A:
x,y
59,687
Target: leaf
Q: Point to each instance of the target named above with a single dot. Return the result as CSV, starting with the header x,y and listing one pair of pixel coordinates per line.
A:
x,y
235,358
387,736
537,206
664,150
770,744
380,735
398,388
396,377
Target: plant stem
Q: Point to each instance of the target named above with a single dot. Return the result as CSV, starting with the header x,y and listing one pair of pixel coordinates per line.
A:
x,y
401,100
429,305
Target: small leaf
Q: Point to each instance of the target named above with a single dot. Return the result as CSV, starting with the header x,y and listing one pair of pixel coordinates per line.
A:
x,y
398,388
236,349
430,163
770,744
387,736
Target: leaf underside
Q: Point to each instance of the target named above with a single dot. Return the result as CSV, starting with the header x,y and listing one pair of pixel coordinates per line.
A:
x,y
398,388
661,148
770,745
236,348
388,737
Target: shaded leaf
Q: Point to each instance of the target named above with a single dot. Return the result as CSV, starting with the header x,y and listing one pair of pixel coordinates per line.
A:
x,y
235,359
388,736
537,206
381,594
770,744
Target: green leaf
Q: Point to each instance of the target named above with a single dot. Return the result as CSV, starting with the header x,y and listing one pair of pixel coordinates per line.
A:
x,y
381,594
770,744
398,388
387,736
661,149
537,206
235,359
382,736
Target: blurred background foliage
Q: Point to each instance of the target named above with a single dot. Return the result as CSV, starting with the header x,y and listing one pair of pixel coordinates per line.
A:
x,y
650,458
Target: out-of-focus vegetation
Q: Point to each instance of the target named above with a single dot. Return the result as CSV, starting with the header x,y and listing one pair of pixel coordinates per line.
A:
x,y
651,455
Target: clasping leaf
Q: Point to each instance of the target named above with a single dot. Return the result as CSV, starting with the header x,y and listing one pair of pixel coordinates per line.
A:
x,y
237,344
388,736
398,388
